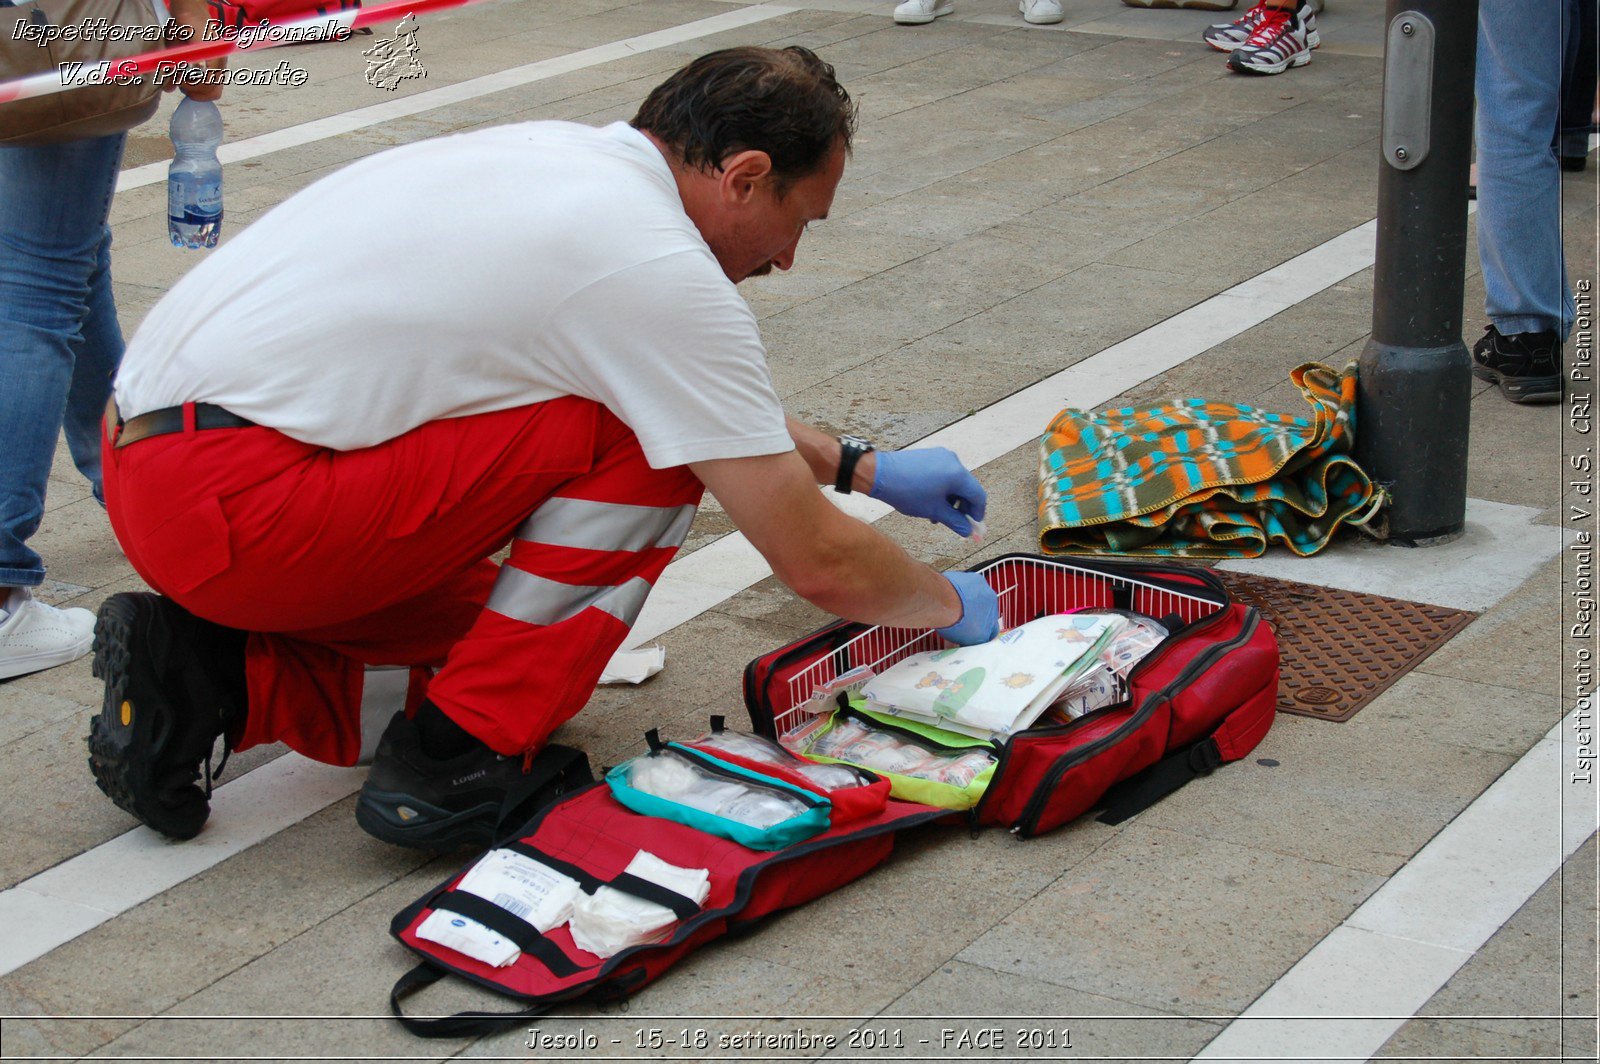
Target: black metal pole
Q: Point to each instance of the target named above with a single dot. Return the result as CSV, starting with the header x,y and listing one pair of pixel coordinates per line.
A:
x,y
1415,386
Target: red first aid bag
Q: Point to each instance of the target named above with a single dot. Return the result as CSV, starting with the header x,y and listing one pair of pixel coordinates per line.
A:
x,y
1204,696
592,837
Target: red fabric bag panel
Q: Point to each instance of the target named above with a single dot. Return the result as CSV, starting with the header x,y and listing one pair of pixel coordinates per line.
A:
x,y
595,832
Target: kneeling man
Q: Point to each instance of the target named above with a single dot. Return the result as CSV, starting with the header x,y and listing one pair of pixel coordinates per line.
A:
x,y
527,335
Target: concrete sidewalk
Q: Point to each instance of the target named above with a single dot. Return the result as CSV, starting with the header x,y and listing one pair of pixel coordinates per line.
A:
x,y
1020,199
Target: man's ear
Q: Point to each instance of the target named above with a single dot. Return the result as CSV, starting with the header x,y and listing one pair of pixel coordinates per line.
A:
x,y
742,172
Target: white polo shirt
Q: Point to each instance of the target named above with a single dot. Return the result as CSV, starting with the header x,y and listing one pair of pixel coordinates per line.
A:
x,y
463,275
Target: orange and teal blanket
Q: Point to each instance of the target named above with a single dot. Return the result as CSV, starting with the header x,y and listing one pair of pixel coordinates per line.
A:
x,y
1199,479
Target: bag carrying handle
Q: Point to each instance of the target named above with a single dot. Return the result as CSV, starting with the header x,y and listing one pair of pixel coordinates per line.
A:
x,y
462,1024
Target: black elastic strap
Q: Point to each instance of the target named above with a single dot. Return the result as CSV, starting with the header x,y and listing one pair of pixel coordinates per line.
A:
x,y
653,737
586,880
510,925
462,1024
681,907
1139,792
719,723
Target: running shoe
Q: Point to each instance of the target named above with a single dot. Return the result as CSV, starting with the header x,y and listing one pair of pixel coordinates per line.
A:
x,y
1226,36
1281,40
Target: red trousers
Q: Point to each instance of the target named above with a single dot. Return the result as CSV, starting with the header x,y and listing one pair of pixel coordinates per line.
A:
x,y
338,560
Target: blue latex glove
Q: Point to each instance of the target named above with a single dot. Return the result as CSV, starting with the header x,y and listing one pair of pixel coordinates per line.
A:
x,y
980,610
930,482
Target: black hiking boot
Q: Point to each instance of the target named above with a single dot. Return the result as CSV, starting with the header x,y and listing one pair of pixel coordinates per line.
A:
x,y
467,800
1527,366
173,684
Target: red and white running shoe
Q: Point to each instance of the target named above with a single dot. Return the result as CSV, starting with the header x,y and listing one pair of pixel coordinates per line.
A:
x,y
1226,36
1281,40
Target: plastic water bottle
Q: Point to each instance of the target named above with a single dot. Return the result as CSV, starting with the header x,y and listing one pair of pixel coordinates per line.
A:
x,y
194,183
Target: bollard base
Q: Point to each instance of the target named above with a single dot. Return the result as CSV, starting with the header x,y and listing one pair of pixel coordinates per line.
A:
x,y
1412,417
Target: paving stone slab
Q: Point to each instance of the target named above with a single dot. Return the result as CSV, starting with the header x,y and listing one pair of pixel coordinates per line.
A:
x,y
157,955
1457,1043
1258,361
1510,646
341,968
966,998
54,808
1369,793
1122,923
1075,316
875,928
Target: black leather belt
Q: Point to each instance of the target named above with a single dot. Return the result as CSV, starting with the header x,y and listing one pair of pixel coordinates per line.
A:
x,y
171,419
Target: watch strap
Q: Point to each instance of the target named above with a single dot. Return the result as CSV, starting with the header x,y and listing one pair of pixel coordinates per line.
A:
x,y
851,450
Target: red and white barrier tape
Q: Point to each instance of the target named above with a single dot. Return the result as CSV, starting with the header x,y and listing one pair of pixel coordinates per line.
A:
x,y
296,32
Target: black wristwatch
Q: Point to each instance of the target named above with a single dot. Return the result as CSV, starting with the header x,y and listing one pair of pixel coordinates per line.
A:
x,y
851,448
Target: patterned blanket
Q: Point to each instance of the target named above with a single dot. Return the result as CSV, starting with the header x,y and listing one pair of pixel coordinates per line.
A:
x,y
1200,479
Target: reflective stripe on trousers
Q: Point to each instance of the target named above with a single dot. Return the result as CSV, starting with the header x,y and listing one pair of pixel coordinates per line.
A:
x,y
587,525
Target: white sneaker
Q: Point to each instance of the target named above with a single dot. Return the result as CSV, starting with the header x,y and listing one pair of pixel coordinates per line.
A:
x,y
34,636
1040,12
918,12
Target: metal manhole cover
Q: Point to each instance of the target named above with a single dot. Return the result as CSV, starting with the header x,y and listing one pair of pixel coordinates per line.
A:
x,y
1341,649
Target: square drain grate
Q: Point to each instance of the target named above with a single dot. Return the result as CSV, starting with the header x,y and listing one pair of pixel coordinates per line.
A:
x,y
1341,649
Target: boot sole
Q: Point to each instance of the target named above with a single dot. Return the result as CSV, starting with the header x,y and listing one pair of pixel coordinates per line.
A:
x,y
429,827
1532,391
123,735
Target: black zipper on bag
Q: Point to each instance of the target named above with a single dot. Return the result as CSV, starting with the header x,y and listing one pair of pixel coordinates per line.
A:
x,y
704,763
1041,795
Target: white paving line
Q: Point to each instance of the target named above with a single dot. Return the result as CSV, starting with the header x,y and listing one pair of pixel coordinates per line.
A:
x,y
1374,972
78,895
361,117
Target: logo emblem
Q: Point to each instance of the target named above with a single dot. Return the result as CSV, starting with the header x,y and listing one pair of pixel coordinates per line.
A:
x,y
393,60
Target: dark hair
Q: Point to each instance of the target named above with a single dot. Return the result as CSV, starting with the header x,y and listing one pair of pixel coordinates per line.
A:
x,y
785,102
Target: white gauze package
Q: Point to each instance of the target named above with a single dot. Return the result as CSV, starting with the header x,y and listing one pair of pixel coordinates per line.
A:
x,y
516,883
609,921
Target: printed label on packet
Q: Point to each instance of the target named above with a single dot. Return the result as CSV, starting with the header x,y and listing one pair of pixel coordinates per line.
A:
x,y
467,936
524,887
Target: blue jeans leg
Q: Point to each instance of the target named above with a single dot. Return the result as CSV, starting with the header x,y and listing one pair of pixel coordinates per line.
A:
x,y
1520,56
60,343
